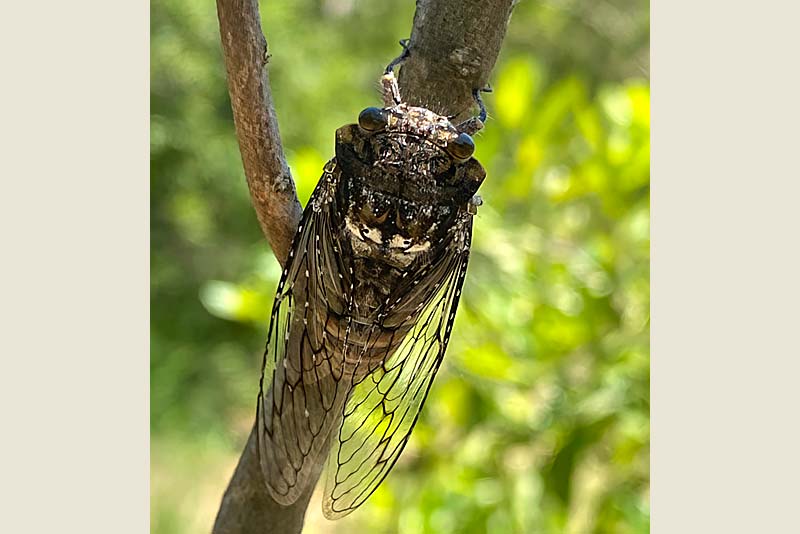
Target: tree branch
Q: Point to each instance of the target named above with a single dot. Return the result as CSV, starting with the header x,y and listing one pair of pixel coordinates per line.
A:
x,y
247,507
271,186
454,46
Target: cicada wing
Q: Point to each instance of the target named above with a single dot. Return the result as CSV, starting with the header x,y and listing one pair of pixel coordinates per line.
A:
x,y
300,399
383,407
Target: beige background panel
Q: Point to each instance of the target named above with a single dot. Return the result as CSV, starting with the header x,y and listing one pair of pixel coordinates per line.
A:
x,y
724,268
74,269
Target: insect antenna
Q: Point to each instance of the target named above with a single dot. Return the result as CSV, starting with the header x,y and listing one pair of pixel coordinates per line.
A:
x,y
399,59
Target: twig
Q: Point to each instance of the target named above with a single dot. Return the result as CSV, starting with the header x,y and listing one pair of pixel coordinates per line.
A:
x,y
271,186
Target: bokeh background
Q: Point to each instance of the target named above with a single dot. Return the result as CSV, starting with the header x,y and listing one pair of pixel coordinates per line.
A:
x,y
538,422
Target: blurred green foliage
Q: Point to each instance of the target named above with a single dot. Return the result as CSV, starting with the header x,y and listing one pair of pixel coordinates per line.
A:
x,y
539,420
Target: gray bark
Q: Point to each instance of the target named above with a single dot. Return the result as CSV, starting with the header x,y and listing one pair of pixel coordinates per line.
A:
x,y
454,46
271,186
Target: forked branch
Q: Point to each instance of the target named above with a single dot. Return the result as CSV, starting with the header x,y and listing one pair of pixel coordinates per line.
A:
x,y
454,45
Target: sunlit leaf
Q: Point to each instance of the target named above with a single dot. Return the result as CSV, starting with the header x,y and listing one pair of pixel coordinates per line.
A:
x,y
514,90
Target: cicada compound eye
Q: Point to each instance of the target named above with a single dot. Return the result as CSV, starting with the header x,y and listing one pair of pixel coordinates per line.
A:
x,y
373,119
462,147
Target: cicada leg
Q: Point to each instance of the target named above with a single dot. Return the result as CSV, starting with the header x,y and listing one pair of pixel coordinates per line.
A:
x,y
474,124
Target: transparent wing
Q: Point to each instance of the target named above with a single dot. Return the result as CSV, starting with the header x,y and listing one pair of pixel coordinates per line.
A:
x,y
304,401
382,407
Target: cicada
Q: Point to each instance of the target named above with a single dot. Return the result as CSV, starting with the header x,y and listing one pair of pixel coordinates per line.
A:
x,y
365,306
